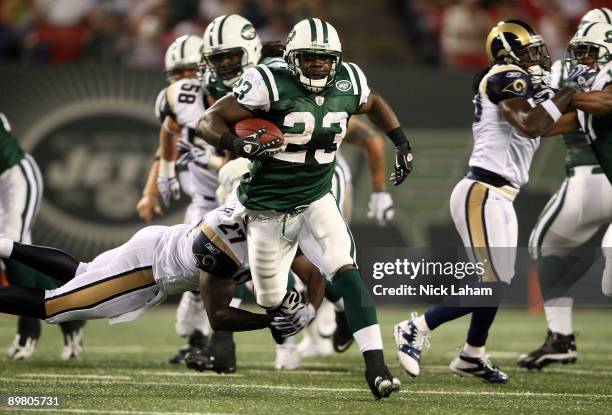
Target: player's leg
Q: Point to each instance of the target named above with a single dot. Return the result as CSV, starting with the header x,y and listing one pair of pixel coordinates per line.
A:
x,y
20,193
331,320
569,219
327,241
121,289
272,244
487,225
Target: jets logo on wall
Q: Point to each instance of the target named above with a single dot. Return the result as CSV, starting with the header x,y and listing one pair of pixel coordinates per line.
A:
x,y
94,137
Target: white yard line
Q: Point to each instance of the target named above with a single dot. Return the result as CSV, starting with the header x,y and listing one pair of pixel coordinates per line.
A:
x,y
320,389
207,373
64,375
100,411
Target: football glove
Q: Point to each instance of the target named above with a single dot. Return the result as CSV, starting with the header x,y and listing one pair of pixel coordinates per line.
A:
x,y
403,164
581,77
251,148
169,189
292,316
288,325
381,207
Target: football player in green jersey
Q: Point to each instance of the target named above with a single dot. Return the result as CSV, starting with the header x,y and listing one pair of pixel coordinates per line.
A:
x,y
231,46
21,189
287,193
583,204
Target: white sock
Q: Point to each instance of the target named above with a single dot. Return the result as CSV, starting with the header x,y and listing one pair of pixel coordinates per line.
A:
x,y
473,351
339,306
559,315
6,247
421,324
369,338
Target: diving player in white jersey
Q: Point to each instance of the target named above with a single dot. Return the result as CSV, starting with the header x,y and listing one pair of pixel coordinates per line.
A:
x,y
512,111
583,204
121,284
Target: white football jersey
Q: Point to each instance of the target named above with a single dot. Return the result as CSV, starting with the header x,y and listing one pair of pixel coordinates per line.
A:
x,y
499,147
174,266
185,103
602,80
222,246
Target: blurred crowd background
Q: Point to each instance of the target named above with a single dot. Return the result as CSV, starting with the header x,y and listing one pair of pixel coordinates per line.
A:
x,y
136,32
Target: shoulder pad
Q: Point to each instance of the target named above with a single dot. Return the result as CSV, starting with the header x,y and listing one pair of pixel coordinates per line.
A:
x,y
162,109
357,80
507,81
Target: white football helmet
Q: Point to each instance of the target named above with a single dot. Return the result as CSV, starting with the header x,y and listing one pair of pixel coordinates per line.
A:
x,y
313,36
226,37
595,40
184,52
600,15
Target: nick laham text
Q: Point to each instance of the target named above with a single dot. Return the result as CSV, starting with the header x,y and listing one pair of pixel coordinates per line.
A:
x,y
429,289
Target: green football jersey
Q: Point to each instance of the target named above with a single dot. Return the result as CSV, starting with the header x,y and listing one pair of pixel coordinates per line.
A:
x,y
313,126
218,90
11,152
579,152
598,127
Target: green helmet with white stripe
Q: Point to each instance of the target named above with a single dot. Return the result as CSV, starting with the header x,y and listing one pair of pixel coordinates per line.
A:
x,y
600,15
313,37
231,46
594,40
184,53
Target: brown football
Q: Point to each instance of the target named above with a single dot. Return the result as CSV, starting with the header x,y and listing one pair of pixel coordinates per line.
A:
x,y
248,126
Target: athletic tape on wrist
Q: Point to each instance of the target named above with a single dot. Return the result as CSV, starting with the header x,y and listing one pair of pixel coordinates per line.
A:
x,y
551,109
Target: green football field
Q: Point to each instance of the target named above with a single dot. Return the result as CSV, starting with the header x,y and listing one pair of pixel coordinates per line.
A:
x,y
124,371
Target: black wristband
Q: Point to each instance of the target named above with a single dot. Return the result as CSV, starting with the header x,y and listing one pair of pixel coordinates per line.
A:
x,y
227,141
398,137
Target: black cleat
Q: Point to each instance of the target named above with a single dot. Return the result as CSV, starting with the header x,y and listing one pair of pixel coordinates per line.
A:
x,y
557,348
223,352
479,367
199,359
342,337
381,381
197,341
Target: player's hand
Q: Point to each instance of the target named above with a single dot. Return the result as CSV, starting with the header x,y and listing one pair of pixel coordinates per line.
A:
x,y
169,189
287,325
403,164
251,147
147,206
581,77
380,207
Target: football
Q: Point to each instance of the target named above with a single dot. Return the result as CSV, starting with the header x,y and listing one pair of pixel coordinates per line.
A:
x,y
249,126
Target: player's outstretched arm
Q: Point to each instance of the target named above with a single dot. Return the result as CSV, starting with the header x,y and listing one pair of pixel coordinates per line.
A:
x,y
594,102
567,124
217,294
312,279
536,121
167,181
148,204
382,115
362,134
